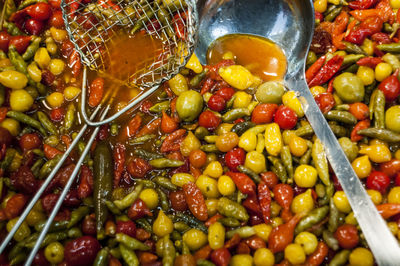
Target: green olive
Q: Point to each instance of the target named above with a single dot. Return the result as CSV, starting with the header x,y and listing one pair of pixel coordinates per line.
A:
x,y
54,252
349,87
392,118
311,58
350,148
270,92
189,105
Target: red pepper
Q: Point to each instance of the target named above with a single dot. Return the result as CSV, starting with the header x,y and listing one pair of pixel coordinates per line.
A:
x,y
75,63
390,87
119,162
381,38
314,68
244,183
366,28
318,256
50,152
207,85
330,86
318,16
195,201
388,210
360,125
20,43
327,71
108,4
282,235
213,219
362,4
371,62
283,195
85,187
252,206
264,197
233,242
173,141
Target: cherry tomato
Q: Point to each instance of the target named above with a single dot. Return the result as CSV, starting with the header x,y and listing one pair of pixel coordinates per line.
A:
x,y
390,168
138,210
263,113
20,43
56,19
216,103
347,235
325,101
34,26
359,110
378,181
81,251
209,120
178,201
30,141
285,117
234,158
57,114
39,11
4,40
221,257
197,158
226,93
390,86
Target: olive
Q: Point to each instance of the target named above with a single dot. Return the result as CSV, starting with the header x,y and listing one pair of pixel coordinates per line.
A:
x,y
189,105
350,148
270,92
311,58
392,118
349,87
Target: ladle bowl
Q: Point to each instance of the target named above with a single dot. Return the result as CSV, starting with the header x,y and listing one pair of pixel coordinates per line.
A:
x,y
290,24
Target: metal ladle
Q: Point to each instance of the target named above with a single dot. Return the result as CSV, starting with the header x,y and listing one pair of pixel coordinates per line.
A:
x,y
290,24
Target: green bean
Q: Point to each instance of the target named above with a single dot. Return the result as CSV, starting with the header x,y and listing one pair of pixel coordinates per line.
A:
x,y
48,166
351,68
203,262
102,257
379,108
209,148
340,258
229,222
112,208
128,255
21,257
69,118
9,157
130,198
149,14
55,226
51,237
26,119
46,122
389,47
77,215
116,253
74,232
341,116
256,178
286,158
232,209
12,29
165,183
16,249
313,217
159,107
241,127
211,139
114,129
353,48
165,163
320,161
305,159
333,221
339,131
142,139
168,252
32,48
329,191
143,223
303,131
368,91
351,59
195,81
147,155
181,226
243,232
27,3
164,201
279,168
10,8
131,242
342,107
234,114
191,221
381,134
333,14
330,240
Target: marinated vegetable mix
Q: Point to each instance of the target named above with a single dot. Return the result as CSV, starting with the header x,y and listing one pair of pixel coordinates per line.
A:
x,y
219,167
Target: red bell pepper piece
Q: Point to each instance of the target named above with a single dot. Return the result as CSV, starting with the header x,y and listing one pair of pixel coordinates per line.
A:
x,y
327,71
244,183
264,198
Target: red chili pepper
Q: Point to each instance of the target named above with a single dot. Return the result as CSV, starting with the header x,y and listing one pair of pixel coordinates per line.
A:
x,y
233,242
207,85
381,38
362,4
132,127
20,43
282,235
319,16
150,128
283,195
244,183
75,63
330,86
252,206
3,113
390,87
360,125
213,219
138,210
371,62
327,71
15,206
314,68
173,141
119,162
195,200
108,4
50,152
85,187
264,197
318,256
366,28
203,253
179,27
388,210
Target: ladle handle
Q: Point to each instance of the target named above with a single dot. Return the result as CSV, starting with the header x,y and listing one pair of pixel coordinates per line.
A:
x,y
381,241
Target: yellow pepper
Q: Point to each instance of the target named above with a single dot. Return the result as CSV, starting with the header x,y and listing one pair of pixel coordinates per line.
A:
x,y
308,241
378,153
194,64
248,141
303,202
273,139
297,145
22,232
362,166
42,58
214,169
13,79
180,179
264,257
208,186
162,225
305,176
194,238
216,235
150,197
295,254
34,72
178,84
189,144
255,161
226,186
289,99
394,195
341,202
242,100
237,76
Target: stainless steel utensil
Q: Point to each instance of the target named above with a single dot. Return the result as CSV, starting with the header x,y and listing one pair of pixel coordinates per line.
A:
x,y
290,24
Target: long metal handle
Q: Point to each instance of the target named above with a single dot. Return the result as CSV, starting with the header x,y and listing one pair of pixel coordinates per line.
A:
x,y
381,241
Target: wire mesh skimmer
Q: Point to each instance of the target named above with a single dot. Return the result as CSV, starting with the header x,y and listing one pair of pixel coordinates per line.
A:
x,y
96,29
92,28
